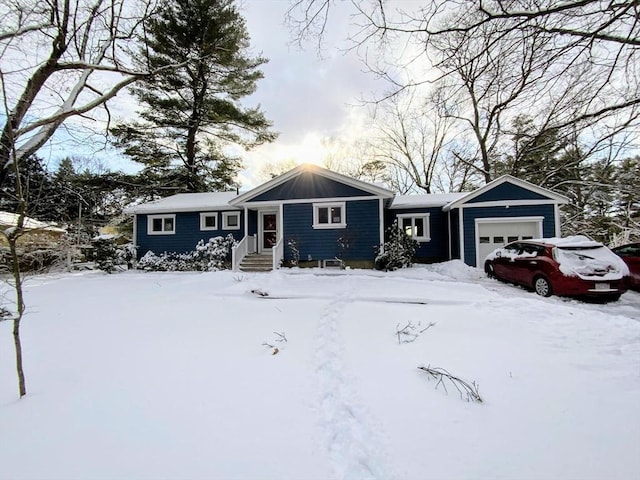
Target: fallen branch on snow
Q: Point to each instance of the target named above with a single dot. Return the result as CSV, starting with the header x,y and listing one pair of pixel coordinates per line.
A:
x,y
281,337
410,332
466,391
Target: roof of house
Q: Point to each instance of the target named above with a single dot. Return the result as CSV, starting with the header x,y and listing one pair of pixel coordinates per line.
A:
x,y
315,169
8,219
187,202
425,200
499,181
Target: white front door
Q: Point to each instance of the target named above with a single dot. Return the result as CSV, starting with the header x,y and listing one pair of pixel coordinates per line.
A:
x,y
267,231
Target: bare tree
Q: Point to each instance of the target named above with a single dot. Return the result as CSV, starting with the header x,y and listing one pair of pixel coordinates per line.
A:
x,y
572,66
413,135
58,60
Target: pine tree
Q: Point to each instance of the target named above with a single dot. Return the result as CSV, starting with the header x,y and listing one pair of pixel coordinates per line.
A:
x,y
193,113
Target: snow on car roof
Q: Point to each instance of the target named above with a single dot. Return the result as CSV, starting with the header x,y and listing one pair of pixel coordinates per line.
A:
x,y
568,242
425,200
187,202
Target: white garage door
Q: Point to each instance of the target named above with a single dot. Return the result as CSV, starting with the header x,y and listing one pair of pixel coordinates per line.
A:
x,y
492,235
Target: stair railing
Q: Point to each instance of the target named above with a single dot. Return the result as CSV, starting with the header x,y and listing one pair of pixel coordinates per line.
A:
x,y
278,253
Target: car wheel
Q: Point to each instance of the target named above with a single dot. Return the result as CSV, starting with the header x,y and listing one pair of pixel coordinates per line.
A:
x,y
542,286
488,269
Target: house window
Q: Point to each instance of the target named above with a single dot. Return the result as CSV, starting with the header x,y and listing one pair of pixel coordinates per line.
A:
x,y
161,224
329,215
209,221
415,226
231,220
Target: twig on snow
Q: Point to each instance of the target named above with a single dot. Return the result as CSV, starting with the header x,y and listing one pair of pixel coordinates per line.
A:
x,y
410,332
468,392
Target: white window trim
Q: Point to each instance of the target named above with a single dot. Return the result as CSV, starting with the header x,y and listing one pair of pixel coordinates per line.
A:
x,y
151,218
225,221
318,206
426,220
203,216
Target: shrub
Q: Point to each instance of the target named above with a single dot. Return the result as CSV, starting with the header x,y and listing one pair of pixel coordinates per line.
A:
x,y
108,255
397,252
207,257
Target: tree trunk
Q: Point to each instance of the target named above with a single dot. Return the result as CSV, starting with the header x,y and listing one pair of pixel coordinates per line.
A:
x,y
17,277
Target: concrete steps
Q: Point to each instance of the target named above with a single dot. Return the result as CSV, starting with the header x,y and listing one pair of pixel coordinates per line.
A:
x,y
257,263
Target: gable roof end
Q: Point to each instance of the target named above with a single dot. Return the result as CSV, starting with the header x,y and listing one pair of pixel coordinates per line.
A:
x,y
554,197
304,168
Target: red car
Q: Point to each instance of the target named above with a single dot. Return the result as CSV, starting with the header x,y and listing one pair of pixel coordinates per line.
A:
x,y
630,254
572,266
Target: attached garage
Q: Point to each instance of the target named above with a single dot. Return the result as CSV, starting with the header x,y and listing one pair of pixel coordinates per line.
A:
x,y
492,233
504,210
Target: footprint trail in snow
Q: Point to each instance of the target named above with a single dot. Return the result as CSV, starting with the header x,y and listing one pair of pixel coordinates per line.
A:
x,y
350,442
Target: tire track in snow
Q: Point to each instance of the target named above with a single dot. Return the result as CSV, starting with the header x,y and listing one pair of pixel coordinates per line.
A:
x,y
351,444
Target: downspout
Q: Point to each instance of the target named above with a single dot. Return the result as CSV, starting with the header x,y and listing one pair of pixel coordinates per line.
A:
x,y
449,232
381,210
281,221
135,234
461,233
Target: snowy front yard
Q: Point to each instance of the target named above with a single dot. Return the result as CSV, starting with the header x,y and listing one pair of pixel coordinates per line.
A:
x,y
165,375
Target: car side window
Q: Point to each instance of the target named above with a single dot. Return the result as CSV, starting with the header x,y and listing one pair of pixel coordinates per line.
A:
x,y
513,248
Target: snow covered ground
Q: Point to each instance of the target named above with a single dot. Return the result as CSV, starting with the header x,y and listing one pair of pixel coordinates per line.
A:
x,y
165,375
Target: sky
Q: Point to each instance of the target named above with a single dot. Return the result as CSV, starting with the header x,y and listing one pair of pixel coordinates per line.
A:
x,y
308,97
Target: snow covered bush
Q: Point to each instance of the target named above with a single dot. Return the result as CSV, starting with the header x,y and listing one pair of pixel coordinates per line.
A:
x,y
214,254
397,252
108,255
207,257
294,250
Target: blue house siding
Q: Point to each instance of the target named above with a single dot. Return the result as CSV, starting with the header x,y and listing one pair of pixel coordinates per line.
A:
x,y
309,185
470,215
437,248
455,233
362,232
187,234
507,191
253,222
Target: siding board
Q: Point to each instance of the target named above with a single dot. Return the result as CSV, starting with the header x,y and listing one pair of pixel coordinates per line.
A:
x,y
470,215
309,185
362,232
507,191
187,235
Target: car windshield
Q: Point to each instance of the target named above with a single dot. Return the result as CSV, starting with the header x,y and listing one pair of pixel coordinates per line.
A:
x,y
589,261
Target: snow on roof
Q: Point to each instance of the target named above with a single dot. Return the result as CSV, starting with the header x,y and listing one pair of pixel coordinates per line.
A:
x,y
572,241
425,200
187,202
11,220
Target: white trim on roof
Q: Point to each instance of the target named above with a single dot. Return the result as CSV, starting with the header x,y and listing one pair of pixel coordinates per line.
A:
x,y
553,197
279,180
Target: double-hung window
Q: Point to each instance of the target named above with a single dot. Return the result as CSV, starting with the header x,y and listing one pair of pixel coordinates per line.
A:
x,y
209,221
161,224
415,226
329,215
231,220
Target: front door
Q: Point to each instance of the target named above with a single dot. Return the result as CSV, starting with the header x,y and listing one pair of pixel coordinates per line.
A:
x,y
268,231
